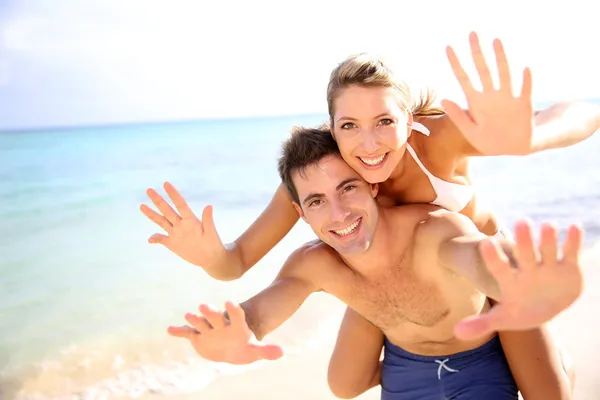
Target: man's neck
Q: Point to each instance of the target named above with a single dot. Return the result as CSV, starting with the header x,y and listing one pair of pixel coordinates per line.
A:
x,y
379,254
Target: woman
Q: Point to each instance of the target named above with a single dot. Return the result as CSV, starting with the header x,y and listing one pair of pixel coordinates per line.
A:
x,y
376,123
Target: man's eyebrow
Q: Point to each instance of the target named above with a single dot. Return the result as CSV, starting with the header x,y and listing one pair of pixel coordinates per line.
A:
x,y
345,182
312,196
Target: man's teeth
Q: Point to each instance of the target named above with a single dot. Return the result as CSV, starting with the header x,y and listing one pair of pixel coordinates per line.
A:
x,y
348,230
373,161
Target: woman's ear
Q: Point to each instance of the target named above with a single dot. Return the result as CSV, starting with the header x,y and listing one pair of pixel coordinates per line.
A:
x,y
331,129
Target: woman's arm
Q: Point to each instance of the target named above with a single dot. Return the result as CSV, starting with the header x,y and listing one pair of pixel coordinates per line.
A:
x,y
270,227
560,125
564,124
500,122
354,367
197,240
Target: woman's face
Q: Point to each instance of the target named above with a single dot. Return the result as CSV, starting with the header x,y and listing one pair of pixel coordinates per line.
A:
x,y
371,129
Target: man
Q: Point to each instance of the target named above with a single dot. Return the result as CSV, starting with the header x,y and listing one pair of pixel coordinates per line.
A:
x,y
414,271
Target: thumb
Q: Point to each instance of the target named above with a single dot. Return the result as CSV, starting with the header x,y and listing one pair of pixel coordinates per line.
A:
x,y
184,332
158,238
476,326
267,351
460,117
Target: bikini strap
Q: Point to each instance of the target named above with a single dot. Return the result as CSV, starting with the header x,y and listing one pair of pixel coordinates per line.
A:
x,y
420,128
413,153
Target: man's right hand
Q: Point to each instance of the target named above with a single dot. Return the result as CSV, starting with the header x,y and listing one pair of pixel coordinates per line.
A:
x,y
194,240
216,339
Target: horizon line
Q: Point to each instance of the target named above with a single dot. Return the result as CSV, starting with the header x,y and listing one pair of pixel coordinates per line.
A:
x,y
92,125
116,124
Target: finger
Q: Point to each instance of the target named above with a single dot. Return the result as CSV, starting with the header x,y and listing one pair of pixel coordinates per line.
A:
x,y
156,218
548,244
164,207
525,253
476,326
527,86
267,351
460,117
213,316
208,221
199,323
572,245
480,64
497,262
158,238
503,67
182,206
237,317
185,332
459,73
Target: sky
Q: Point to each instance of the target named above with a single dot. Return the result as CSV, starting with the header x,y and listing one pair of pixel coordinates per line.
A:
x,y
73,62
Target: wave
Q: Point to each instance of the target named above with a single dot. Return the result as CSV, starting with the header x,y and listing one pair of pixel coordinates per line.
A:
x,y
113,367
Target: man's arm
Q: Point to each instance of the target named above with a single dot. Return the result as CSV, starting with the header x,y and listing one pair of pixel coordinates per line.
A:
x,y
532,286
231,337
458,242
270,308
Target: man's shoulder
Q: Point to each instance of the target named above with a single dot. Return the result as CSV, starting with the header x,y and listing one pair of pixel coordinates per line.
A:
x,y
308,259
413,211
315,250
421,217
439,225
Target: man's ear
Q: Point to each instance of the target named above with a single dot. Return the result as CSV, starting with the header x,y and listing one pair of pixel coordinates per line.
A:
x,y
299,210
374,189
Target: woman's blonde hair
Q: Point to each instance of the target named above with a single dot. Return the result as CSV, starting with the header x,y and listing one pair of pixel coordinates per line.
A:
x,y
367,70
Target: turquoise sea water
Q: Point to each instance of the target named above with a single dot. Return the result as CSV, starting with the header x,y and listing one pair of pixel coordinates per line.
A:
x,y
86,301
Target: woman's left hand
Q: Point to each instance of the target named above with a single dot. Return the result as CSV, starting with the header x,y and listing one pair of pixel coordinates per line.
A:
x,y
497,122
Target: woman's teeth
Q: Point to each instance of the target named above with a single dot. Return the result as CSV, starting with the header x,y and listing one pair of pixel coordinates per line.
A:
x,y
373,160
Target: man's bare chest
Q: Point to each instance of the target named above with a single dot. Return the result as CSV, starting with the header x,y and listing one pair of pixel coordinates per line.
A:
x,y
398,297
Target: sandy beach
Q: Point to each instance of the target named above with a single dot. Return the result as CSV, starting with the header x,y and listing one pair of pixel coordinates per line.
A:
x,y
304,376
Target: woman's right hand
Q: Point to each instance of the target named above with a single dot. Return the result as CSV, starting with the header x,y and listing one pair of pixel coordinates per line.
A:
x,y
192,239
198,242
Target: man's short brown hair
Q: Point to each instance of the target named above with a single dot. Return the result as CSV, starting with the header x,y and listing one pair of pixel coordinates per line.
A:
x,y
304,147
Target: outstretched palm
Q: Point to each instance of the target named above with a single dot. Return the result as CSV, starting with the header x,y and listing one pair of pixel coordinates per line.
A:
x,y
542,286
216,339
497,122
194,240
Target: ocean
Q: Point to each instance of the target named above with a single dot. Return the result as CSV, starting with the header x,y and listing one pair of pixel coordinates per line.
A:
x,y
86,300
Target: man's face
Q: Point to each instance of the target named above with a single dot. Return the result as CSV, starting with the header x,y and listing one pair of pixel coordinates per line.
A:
x,y
338,205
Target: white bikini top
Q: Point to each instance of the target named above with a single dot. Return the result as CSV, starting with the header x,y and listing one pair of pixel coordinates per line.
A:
x,y
451,196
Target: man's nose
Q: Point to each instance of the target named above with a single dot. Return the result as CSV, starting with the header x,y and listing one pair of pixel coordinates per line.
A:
x,y
339,211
